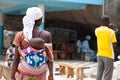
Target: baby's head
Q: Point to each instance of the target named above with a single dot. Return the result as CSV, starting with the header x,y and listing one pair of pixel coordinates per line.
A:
x,y
37,43
113,26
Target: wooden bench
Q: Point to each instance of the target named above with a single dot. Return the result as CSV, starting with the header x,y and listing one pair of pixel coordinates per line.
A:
x,y
68,68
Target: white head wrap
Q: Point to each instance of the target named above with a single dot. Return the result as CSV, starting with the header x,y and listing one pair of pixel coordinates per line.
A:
x,y
32,14
88,37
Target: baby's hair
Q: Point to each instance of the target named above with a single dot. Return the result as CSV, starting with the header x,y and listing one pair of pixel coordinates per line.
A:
x,y
36,43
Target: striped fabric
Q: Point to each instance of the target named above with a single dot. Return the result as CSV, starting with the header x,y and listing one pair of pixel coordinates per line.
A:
x,y
27,72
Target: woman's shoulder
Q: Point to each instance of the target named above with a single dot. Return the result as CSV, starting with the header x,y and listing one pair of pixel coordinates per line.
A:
x,y
19,33
45,31
46,35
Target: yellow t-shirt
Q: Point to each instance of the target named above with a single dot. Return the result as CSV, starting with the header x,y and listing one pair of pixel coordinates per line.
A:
x,y
105,38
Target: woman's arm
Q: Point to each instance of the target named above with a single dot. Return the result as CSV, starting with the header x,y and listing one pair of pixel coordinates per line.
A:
x,y
15,63
50,67
50,62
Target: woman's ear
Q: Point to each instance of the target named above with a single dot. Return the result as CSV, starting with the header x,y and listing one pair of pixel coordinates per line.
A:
x,y
38,22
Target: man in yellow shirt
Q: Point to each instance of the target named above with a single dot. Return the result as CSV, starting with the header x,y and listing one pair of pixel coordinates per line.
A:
x,y
106,40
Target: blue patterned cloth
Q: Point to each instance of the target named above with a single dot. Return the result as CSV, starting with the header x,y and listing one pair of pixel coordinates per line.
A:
x,y
36,59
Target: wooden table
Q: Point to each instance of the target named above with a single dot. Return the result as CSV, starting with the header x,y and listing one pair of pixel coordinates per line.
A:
x,y
68,67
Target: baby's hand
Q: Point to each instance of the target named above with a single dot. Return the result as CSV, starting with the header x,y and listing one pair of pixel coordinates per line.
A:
x,y
50,77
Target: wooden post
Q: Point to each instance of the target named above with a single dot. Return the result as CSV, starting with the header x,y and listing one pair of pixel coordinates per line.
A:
x,y
70,72
77,74
62,70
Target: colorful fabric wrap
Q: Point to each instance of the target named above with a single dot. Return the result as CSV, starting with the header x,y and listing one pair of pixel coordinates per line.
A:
x,y
9,56
33,64
34,58
28,72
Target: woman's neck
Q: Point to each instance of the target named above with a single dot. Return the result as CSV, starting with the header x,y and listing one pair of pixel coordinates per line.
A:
x,y
36,31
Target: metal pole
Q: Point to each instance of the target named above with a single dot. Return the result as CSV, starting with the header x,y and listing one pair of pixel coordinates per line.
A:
x,y
1,33
103,7
42,7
